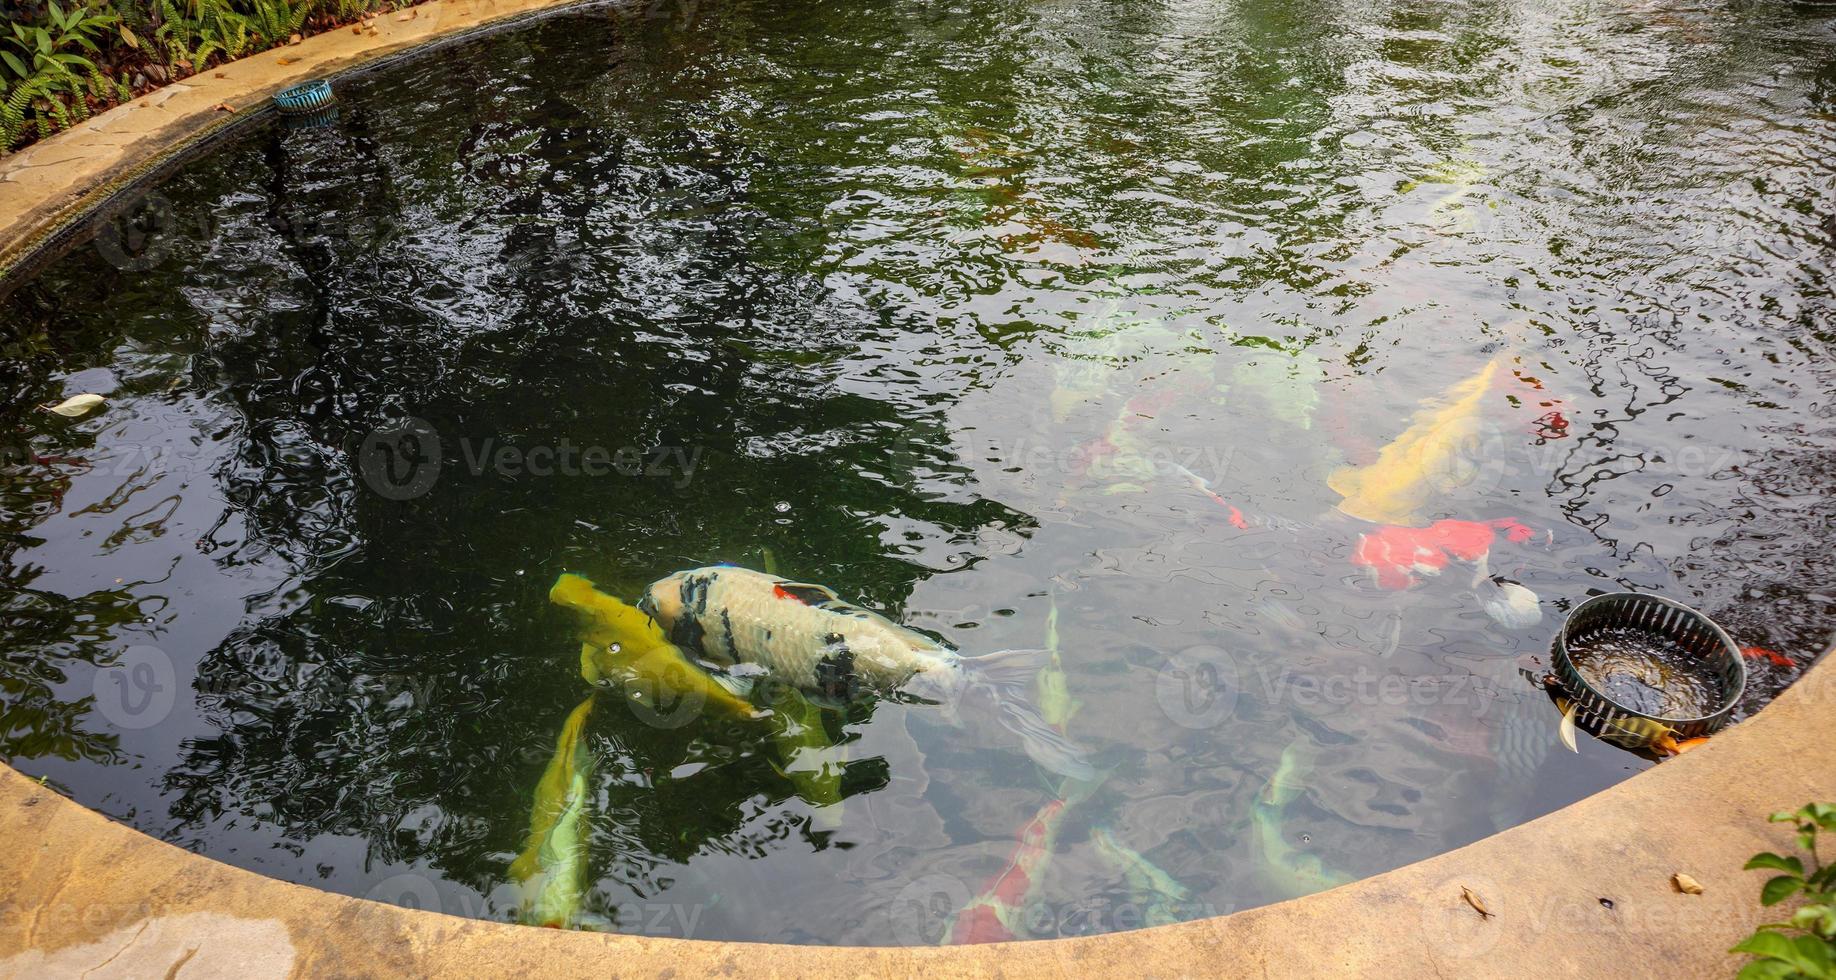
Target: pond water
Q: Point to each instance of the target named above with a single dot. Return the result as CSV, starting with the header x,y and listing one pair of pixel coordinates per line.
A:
x,y
1289,368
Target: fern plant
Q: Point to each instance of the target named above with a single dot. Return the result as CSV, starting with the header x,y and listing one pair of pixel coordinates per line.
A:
x,y
192,36
349,10
13,109
274,21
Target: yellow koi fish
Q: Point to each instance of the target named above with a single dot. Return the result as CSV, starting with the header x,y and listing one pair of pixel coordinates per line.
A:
x,y
1449,212
807,756
622,644
1056,705
1159,898
551,870
1396,489
1291,871
1633,733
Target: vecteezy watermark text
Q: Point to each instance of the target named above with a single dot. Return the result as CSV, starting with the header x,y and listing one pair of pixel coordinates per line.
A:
x,y
403,460
677,463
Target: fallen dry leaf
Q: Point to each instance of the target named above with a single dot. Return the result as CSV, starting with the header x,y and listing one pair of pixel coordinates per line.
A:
x,y
1691,743
221,75
288,61
1686,884
410,15
1473,900
356,28
295,39
75,405
223,107
1566,730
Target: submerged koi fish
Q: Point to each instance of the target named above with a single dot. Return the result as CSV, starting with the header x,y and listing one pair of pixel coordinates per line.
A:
x,y
1772,657
807,757
834,651
1462,174
1633,733
1161,899
1408,472
1050,689
551,870
1291,872
1203,486
996,913
1398,556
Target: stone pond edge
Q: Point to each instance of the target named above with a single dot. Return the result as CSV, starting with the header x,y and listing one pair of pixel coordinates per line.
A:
x,y
86,891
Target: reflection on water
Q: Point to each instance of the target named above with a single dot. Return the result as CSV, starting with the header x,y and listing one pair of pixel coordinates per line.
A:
x,y
1111,309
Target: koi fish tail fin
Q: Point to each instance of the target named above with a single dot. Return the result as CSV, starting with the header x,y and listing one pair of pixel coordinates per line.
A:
x,y
577,592
1509,604
1008,678
1076,789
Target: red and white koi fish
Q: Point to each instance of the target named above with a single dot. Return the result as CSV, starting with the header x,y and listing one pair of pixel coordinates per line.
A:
x,y
995,914
1398,556
1203,486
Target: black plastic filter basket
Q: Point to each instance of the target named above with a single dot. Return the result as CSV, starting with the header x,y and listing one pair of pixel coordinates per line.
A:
x,y
1657,615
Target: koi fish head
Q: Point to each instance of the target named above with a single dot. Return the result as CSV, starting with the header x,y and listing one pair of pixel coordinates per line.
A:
x,y
662,601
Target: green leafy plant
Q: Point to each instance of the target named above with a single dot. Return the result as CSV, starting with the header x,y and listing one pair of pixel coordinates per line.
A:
x,y
62,60
13,108
1805,945
274,21
50,49
202,29
349,10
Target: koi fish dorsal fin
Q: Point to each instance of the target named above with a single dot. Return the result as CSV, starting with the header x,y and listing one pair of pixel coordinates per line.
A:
x,y
804,592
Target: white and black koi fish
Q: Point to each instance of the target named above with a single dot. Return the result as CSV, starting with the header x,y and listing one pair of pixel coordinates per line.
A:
x,y
806,636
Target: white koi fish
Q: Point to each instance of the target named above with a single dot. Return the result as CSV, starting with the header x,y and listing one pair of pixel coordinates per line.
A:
x,y
806,636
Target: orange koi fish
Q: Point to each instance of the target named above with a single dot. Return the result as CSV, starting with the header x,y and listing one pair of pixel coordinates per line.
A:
x,y
1400,555
1773,657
